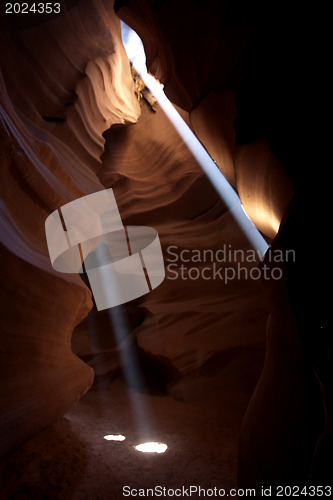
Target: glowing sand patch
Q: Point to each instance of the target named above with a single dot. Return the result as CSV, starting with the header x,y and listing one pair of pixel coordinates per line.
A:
x,y
152,447
114,437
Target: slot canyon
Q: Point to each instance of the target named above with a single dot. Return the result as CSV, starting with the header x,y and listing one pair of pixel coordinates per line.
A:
x,y
228,360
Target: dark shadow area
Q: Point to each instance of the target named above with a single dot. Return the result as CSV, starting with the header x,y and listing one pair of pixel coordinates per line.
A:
x,y
48,466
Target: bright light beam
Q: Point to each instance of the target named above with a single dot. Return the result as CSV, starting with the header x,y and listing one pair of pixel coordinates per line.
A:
x,y
129,359
127,351
135,52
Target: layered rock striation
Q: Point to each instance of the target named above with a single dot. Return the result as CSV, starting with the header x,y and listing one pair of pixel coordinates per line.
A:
x,y
62,83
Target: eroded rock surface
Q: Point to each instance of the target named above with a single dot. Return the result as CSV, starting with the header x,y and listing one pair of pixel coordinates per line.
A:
x,y
62,84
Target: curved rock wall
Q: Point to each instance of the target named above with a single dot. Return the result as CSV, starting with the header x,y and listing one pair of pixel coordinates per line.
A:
x,y
270,57
263,186
62,83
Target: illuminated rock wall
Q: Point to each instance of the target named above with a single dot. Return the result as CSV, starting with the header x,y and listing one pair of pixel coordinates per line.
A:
x,y
251,78
62,84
